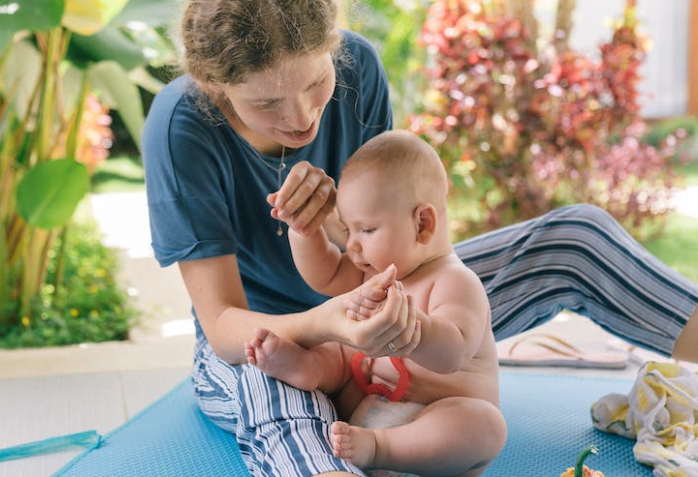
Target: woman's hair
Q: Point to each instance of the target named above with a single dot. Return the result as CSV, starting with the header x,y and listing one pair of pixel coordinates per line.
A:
x,y
226,40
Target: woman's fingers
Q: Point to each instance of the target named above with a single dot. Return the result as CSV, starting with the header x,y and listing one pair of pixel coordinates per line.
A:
x,y
387,321
386,326
409,339
393,330
305,199
370,336
309,220
405,334
296,176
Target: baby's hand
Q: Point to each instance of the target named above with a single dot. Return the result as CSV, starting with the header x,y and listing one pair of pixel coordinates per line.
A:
x,y
368,299
359,307
365,302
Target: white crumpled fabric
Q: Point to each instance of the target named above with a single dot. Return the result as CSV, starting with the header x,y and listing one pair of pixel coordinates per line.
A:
x,y
660,413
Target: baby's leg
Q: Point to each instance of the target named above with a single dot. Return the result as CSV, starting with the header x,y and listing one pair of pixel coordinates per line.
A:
x,y
320,367
451,437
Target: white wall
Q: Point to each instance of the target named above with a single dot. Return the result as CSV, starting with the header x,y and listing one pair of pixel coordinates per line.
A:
x,y
664,87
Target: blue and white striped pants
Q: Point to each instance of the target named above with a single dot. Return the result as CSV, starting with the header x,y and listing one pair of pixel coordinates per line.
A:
x,y
576,258
579,258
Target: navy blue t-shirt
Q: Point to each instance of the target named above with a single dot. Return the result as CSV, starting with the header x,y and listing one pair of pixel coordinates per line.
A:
x,y
207,188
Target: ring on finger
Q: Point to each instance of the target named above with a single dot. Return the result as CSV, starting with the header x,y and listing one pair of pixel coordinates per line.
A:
x,y
392,347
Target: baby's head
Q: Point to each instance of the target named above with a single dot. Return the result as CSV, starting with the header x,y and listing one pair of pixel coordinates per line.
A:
x,y
392,200
409,170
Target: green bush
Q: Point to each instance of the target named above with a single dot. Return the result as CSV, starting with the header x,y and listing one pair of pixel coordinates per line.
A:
x,y
90,306
659,132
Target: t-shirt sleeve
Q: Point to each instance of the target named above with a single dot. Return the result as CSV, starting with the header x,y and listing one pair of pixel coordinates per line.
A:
x,y
188,206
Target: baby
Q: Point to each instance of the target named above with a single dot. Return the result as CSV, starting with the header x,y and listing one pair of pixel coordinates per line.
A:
x,y
391,201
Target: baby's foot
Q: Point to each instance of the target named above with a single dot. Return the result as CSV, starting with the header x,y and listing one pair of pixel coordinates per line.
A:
x,y
282,359
352,443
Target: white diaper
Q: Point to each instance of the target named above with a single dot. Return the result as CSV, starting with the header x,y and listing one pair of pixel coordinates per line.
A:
x,y
375,412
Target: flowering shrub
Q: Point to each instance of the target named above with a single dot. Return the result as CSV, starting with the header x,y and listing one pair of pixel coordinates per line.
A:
x,y
95,136
523,131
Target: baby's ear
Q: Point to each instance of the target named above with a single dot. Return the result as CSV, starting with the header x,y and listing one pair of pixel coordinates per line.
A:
x,y
425,220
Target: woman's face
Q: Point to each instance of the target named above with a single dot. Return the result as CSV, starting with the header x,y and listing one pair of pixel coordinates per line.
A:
x,y
284,104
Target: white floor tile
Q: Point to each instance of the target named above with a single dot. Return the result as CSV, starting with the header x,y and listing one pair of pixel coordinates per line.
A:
x,y
33,409
142,388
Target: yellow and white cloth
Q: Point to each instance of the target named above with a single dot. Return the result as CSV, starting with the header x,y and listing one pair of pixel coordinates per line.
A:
x,y
660,412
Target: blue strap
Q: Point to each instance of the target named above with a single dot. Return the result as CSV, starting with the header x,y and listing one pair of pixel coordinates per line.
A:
x,y
89,440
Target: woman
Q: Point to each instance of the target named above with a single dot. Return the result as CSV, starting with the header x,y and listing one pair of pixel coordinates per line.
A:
x,y
274,101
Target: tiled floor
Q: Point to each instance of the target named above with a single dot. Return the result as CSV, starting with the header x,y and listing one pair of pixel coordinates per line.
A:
x,y
50,392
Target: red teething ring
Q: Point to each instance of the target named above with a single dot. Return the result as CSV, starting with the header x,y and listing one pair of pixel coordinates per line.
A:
x,y
396,394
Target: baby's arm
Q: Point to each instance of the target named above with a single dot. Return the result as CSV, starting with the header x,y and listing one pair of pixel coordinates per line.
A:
x,y
455,323
322,264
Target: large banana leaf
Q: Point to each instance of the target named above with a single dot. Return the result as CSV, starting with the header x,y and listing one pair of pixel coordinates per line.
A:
x,y
87,17
34,15
21,71
109,80
49,193
109,43
120,93
116,56
153,13
126,51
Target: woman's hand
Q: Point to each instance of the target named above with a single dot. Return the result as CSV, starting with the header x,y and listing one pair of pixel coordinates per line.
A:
x,y
393,330
390,327
306,198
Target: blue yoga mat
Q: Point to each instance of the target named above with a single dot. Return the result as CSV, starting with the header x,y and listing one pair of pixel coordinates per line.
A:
x,y
548,420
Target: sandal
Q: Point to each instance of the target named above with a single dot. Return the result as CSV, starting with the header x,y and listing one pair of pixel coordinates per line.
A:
x,y
549,350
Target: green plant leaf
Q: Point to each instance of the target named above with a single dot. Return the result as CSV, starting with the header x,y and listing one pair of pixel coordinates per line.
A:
x,y
33,15
108,44
142,77
120,93
4,267
20,74
48,193
71,83
150,12
87,17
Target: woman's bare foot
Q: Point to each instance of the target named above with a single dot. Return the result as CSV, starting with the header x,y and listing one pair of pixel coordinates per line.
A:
x,y
352,443
282,359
